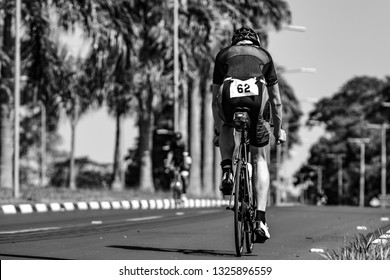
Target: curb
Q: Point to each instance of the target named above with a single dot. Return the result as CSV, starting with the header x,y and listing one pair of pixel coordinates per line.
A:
x,y
143,204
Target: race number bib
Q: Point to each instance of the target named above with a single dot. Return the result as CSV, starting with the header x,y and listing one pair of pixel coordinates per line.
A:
x,y
239,88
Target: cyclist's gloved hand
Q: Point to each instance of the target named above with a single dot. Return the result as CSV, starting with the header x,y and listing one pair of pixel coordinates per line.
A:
x,y
281,138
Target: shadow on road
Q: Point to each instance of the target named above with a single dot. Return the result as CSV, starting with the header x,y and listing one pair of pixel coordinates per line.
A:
x,y
197,252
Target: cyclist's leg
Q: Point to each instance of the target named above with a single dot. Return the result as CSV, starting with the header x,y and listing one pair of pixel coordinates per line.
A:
x,y
226,146
184,178
225,141
262,180
225,130
262,186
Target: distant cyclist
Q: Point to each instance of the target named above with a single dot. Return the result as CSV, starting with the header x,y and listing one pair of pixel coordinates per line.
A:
x,y
245,76
178,157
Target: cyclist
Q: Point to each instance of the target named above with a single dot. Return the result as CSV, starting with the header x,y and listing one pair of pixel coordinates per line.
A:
x,y
244,75
179,158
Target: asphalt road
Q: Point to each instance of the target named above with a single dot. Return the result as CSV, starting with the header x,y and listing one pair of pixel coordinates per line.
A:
x,y
184,234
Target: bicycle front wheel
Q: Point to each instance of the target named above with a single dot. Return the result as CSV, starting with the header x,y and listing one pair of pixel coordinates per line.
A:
x,y
239,231
177,197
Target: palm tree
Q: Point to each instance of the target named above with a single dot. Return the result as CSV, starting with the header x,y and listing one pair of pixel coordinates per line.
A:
x,y
195,34
120,101
116,46
110,26
73,99
46,61
38,60
40,49
6,113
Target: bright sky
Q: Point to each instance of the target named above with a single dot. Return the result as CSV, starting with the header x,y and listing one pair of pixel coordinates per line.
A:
x,y
343,39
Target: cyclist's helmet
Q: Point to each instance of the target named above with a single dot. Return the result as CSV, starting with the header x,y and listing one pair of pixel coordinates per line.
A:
x,y
178,135
245,33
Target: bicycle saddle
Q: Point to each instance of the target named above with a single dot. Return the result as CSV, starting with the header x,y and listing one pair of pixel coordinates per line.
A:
x,y
241,118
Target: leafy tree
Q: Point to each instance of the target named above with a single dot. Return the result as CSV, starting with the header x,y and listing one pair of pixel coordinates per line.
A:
x,y
345,115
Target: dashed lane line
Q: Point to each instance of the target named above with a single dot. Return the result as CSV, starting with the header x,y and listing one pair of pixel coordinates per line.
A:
x,y
29,230
144,218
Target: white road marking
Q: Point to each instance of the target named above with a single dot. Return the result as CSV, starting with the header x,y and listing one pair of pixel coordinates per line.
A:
x,y
179,213
144,218
317,250
361,228
385,219
383,239
96,222
380,241
28,230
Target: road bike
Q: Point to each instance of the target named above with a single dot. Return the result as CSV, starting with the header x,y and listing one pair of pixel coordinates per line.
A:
x,y
243,199
176,185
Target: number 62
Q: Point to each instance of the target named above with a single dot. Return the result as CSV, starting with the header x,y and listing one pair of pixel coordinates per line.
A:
x,y
241,88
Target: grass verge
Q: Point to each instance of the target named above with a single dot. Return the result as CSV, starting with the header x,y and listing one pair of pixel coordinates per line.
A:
x,y
362,248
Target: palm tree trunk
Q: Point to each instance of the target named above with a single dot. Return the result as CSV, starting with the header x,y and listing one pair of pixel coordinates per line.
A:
x,y
183,120
43,146
208,147
195,187
146,124
6,148
118,178
146,174
72,173
6,113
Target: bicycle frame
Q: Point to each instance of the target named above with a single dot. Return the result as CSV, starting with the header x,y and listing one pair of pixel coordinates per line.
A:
x,y
243,191
176,186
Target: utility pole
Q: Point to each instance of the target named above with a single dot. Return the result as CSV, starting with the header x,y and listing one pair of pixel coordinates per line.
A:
x,y
176,65
339,158
17,98
361,142
318,168
382,127
320,191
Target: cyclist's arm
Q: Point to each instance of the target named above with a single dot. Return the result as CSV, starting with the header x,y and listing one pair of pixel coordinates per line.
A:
x,y
276,109
217,120
168,161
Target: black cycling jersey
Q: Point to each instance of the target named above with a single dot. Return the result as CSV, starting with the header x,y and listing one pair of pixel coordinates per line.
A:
x,y
178,148
244,62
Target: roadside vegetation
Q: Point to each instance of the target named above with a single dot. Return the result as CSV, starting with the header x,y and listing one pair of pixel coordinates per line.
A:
x,y
362,248
358,110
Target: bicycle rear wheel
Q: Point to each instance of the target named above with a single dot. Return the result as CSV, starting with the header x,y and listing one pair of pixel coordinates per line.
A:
x,y
177,197
177,188
251,202
239,231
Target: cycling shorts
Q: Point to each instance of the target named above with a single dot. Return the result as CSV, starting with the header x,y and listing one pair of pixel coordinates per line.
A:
x,y
252,94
